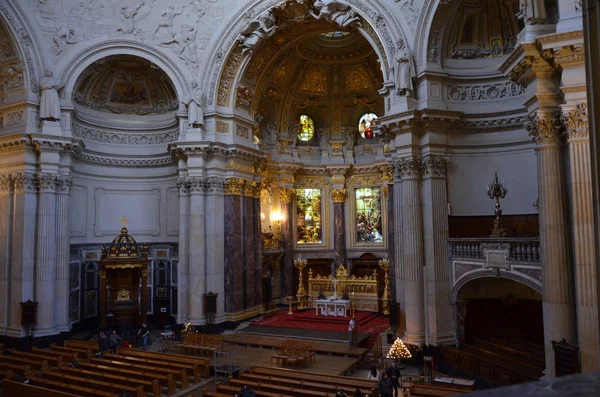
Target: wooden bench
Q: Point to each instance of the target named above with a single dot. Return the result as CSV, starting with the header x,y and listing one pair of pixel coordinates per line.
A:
x,y
519,354
69,388
135,391
306,384
82,344
433,390
180,374
68,356
208,393
193,369
232,390
199,342
19,368
202,363
527,368
285,390
52,359
166,381
11,388
520,346
79,352
326,379
35,364
151,386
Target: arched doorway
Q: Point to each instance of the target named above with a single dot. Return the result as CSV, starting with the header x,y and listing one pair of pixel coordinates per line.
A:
x,y
494,307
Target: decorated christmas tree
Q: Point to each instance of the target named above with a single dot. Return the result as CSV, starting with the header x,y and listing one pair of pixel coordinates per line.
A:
x,y
398,350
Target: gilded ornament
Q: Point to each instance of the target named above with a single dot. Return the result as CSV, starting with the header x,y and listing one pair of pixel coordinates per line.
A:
x,y
234,186
285,195
576,121
226,82
252,189
242,131
387,174
311,182
338,195
544,127
222,127
239,166
123,295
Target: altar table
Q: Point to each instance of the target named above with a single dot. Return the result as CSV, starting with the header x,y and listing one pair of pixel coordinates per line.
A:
x,y
326,307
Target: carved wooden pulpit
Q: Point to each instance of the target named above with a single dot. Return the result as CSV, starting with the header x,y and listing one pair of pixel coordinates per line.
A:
x,y
124,275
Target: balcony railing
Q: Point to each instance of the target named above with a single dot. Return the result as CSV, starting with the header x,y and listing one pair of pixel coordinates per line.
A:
x,y
520,249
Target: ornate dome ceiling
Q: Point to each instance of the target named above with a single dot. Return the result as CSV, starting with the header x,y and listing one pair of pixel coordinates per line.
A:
x,y
125,85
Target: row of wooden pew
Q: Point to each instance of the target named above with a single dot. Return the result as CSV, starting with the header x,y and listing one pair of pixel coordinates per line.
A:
x,y
134,371
193,342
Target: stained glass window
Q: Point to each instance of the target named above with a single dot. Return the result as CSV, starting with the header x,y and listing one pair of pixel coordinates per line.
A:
x,y
369,225
309,214
365,125
307,128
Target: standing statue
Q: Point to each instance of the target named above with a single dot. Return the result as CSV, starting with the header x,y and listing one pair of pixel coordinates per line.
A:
x,y
403,75
49,102
532,12
194,107
335,12
324,142
263,28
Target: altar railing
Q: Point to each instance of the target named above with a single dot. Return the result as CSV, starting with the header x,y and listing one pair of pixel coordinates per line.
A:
x,y
362,291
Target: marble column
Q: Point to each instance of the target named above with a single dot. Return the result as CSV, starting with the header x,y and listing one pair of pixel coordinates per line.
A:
x,y
23,245
215,235
412,249
435,233
61,312
103,291
391,238
557,294
233,245
6,192
248,233
576,120
197,250
339,227
45,260
398,268
145,306
258,250
287,265
183,265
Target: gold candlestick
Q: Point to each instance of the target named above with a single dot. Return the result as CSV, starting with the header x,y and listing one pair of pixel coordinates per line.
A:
x,y
385,299
290,299
301,295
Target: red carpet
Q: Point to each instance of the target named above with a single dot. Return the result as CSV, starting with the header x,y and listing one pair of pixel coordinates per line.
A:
x,y
367,322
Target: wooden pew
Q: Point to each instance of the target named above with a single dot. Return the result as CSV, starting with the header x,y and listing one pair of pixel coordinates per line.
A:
x,y
203,365
232,390
208,393
151,386
306,384
79,352
180,374
69,388
82,344
527,368
52,359
10,388
193,369
327,379
35,364
166,381
135,391
19,368
507,351
433,390
285,390
68,356
516,345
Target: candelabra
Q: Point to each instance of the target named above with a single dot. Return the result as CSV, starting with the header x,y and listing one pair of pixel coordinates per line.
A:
x,y
290,299
497,191
301,295
384,264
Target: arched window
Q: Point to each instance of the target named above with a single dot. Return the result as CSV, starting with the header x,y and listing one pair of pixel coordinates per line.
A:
x,y
365,125
307,128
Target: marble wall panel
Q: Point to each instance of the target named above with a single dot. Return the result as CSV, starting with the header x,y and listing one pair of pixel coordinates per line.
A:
x,y
233,254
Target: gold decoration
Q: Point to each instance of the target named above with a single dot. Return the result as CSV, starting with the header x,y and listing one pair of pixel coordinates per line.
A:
x,y
242,131
124,221
301,295
290,299
357,80
234,186
338,195
252,189
365,180
341,273
315,83
145,272
229,71
311,182
387,174
102,273
285,195
384,264
123,295
222,127
239,166
338,178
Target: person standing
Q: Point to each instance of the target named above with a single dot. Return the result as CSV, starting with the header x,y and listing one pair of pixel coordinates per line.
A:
x,y
102,341
114,341
385,386
394,374
351,332
144,332
374,374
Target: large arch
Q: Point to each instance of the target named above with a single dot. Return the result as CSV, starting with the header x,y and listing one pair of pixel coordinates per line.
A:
x,y
487,273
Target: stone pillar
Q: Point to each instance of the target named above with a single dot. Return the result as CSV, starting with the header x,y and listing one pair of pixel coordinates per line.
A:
x,y
233,245
6,192
183,266
103,298
559,318
396,211
197,251
45,261
144,273
339,227
61,312
412,248
249,239
459,310
576,121
287,267
215,235
258,248
435,227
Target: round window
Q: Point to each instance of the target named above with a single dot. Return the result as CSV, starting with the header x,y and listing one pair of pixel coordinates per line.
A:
x,y
365,125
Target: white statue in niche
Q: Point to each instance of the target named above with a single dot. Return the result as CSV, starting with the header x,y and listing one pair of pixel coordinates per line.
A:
x,y
264,27
335,12
532,12
403,75
324,141
194,107
271,134
49,102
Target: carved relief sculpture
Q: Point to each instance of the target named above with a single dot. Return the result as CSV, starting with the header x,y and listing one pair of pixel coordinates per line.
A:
x,y
335,12
264,27
49,102
63,36
404,85
164,31
128,13
194,107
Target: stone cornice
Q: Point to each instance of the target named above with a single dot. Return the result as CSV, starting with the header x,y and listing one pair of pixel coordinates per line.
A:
x,y
158,161
526,63
17,142
52,143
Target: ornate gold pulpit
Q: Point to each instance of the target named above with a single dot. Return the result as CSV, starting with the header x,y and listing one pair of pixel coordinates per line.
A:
x,y
124,274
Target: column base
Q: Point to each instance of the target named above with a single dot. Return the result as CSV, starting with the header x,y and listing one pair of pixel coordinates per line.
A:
x,y
413,339
446,338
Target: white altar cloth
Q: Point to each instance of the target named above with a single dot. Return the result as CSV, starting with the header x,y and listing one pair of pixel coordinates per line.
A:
x,y
338,307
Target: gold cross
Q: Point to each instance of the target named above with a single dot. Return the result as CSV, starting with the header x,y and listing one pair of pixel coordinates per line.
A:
x,y
124,221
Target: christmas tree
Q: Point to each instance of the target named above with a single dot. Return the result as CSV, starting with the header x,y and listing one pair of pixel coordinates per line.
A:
x,y
398,350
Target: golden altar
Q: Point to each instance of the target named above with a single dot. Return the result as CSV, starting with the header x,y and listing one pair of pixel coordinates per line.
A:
x,y
362,291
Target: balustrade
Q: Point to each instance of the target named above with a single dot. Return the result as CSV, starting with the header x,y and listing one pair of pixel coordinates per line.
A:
x,y
524,249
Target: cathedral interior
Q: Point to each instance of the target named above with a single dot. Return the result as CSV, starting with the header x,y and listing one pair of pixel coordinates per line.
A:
x,y
208,162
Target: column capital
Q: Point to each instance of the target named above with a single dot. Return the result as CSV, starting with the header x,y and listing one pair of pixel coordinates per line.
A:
x,y
338,195
387,173
434,166
285,195
408,168
215,185
234,186
196,184
575,119
183,185
6,181
27,183
544,127
64,184
252,189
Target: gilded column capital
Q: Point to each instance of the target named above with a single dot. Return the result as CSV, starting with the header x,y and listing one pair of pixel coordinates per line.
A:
x,y
339,195
215,185
285,195
27,183
576,120
408,167
196,184
544,127
234,186
252,189
387,173
434,165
